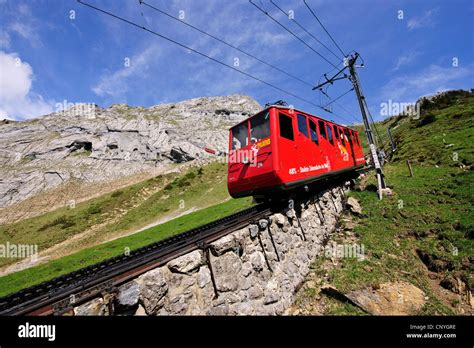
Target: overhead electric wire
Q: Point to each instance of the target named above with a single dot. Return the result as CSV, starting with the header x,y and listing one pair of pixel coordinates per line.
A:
x,y
306,31
375,128
224,42
350,114
292,33
372,120
335,101
342,95
199,53
322,25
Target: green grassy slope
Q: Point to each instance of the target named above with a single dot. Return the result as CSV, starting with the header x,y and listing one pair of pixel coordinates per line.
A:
x,y
127,209
31,276
136,206
423,234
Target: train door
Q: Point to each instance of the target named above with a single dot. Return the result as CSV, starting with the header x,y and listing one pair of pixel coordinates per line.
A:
x,y
327,144
305,149
338,154
358,149
318,163
350,148
287,148
261,166
344,147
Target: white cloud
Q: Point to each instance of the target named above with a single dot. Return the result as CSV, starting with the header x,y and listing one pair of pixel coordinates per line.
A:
x,y
116,84
4,39
405,59
426,20
21,24
408,88
17,101
24,9
27,31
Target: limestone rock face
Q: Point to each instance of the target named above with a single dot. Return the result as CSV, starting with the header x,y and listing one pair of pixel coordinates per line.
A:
x,y
94,144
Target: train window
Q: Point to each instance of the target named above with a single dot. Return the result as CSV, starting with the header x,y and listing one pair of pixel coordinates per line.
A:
x,y
336,133
312,132
286,127
341,134
240,136
322,129
331,140
259,127
348,135
302,125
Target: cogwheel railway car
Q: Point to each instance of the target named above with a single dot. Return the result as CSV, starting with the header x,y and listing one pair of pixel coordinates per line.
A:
x,y
280,149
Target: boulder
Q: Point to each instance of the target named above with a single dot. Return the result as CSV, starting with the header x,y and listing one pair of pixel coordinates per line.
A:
x,y
203,277
263,224
187,263
272,292
253,229
255,292
290,213
226,268
127,297
258,261
279,219
224,245
354,206
94,307
153,288
399,298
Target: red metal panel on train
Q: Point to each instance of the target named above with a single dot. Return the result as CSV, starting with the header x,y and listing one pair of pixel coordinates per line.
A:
x,y
282,148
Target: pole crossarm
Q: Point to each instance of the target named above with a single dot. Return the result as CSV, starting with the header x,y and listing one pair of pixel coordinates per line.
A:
x,y
332,79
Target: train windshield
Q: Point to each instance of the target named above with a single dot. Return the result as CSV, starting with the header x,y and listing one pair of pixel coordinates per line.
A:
x,y
260,127
240,136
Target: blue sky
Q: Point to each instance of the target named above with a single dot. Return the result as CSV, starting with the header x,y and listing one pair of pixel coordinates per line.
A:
x,y
47,57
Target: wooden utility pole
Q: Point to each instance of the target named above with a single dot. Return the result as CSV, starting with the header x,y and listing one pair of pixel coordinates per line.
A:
x,y
409,167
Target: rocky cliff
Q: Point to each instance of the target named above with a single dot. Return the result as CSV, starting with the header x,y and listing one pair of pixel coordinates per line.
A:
x,y
88,144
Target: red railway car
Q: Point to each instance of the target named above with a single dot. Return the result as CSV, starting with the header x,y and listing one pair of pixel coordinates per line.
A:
x,y
281,148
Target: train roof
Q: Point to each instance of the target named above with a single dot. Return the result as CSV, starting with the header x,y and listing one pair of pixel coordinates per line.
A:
x,y
283,107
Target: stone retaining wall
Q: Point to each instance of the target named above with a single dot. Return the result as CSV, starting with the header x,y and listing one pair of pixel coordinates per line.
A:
x,y
256,269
